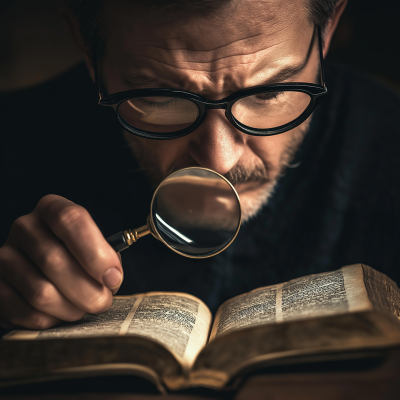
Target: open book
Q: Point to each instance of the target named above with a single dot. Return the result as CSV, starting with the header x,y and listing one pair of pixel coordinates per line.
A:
x,y
171,340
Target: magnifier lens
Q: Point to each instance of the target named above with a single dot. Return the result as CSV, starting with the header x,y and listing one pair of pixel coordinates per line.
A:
x,y
196,212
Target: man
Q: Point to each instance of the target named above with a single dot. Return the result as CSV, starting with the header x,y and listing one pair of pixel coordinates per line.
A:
x,y
319,193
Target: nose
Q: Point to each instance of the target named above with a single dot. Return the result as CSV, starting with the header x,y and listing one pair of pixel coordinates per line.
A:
x,y
216,144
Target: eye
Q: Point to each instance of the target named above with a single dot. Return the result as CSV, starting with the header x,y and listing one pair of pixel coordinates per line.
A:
x,y
268,95
157,102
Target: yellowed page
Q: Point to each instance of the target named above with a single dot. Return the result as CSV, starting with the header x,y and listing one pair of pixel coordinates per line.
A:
x,y
357,296
318,295
321,295
257,307
108,323
178,321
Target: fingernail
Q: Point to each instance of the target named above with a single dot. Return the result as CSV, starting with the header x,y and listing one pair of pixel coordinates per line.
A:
x,y
112,278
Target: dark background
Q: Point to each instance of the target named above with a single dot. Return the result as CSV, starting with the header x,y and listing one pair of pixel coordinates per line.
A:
x,y
368,39
35,44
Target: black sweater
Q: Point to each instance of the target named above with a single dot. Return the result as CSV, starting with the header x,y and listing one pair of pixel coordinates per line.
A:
x,y
340,206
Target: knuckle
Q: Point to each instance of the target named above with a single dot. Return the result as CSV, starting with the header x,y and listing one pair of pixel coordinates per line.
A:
x,y
21,229
46,201
99,303
39,321
72,214
19,224
51,258
44,296
17,316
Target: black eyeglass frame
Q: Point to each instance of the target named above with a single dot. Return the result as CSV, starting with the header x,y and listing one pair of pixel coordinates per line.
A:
x,y
316,93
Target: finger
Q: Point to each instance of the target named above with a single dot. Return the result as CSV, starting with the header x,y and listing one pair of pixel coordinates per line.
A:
x,y
73,225
34,287
60,267
114,291
16,312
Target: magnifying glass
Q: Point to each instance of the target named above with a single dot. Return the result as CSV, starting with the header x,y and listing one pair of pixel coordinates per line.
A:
x,y
194,211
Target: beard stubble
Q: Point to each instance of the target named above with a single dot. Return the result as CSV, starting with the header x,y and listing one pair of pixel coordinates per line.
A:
x,y
239,174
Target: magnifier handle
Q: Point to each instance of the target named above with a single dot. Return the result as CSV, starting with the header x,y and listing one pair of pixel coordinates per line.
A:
x,y
122,240
118,242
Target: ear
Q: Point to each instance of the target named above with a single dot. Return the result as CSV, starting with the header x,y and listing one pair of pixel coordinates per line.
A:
x,y
332,24
73,27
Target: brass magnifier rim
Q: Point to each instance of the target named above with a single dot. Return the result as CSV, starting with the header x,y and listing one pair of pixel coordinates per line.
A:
x,y
153,229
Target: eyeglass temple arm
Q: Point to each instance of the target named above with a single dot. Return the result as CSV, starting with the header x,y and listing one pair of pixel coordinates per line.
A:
x,y
96,74
321,55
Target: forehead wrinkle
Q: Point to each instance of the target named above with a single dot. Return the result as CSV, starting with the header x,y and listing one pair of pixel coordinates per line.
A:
x,y
179,61
190,70
196,50
178,55
211,60
255,43
193,27
189,62
222,57
257,73
296,61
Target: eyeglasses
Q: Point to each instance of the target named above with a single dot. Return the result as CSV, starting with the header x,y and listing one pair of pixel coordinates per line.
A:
x,y
260,111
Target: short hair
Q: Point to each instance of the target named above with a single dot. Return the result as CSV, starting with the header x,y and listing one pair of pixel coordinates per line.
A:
x,y
88,13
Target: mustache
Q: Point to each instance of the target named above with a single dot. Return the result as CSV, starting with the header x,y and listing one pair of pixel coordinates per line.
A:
x,y
237,175
240,174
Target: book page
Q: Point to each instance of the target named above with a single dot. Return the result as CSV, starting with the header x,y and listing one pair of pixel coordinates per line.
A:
x,y
108,323
319,295
178,321
254,308
325,294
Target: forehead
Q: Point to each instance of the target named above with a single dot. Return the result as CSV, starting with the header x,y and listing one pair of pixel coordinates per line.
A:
x,y
238,41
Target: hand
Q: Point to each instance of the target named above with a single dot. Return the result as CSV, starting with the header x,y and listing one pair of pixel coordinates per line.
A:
x,y
56,266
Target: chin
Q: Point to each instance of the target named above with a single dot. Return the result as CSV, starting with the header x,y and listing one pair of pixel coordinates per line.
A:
x,y
252,200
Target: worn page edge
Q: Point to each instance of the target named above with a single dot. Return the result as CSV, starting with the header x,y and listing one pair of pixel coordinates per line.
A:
x,y
27,334
356,293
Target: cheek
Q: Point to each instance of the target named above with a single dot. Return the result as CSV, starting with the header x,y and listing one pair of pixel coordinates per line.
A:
x,y
165,153
271,149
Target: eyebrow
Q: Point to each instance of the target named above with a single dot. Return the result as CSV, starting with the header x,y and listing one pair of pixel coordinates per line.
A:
x,y
285,73
143,81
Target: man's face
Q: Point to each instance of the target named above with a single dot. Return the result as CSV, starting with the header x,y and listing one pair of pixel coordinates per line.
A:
x,y
246,43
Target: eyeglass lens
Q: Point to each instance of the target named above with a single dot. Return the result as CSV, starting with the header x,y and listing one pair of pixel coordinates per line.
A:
x,y
270,110
159,114
170,114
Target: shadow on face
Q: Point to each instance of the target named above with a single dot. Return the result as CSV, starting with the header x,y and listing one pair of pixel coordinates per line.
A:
x,y
214,54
